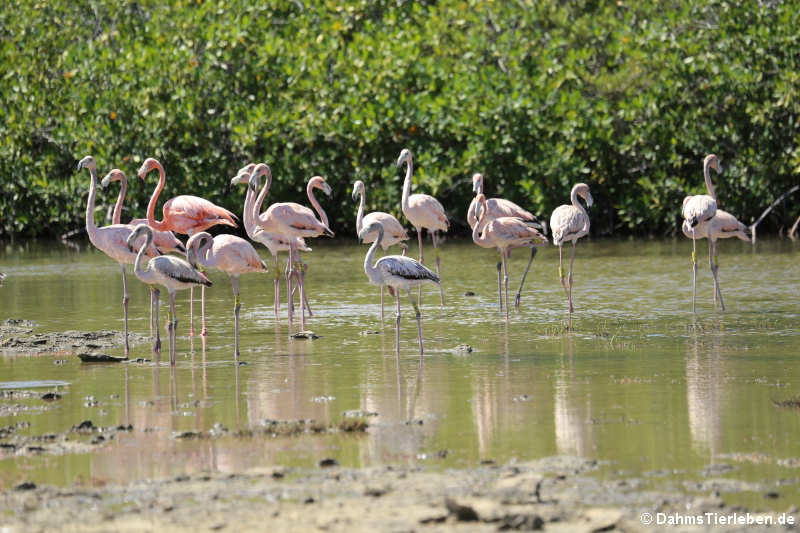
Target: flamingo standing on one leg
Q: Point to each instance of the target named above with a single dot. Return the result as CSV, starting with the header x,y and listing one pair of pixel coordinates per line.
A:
x,y
230,254
570,223
722,226
111,240
503,233
423,211
183,214
172,272
395,233
397,272
294,220
274,242
500,207
697,211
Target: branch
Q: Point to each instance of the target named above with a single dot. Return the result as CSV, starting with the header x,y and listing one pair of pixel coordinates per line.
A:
x,y
767,210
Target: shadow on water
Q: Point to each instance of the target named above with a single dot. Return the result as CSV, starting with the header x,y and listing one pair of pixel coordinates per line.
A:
x,y
638,383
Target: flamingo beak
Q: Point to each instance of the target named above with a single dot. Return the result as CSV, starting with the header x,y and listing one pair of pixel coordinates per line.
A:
x,y
326,188
589,200
355,194
106,181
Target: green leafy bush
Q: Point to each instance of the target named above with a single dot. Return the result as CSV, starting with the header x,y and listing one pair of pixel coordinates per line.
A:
x,y
626,96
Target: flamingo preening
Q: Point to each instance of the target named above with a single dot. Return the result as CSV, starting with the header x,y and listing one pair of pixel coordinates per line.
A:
x,y
504,233
111,240
294,220
570,223
423,211
722,226
230,254
395,233
697,211
500,207
397,272
172,272
183,214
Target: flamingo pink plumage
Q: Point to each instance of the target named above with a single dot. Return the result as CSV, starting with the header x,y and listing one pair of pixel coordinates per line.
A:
x,y
230,254
570,223
111,240
183,214
423,211
503,233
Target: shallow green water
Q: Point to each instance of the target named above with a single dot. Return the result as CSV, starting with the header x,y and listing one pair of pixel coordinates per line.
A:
x,y
640,384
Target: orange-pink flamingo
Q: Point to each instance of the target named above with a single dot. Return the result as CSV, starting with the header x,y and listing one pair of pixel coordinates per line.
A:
x,y
500,207
722,225
397,272
423,211
503,233
697,211
294,220
230,254
183,214
570,223
395,233
111,240
172,272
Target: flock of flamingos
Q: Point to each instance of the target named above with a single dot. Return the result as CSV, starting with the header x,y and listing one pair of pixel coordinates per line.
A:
x,y
495,222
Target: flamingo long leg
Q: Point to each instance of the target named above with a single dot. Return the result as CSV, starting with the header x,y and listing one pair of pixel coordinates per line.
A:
x,y
125,298
505,278
289,292
303,267
300,281
571,261
173,320
381,304
713,263
276,285
191,311
203,330
694,273
421,260
236,306
435,237
524,275
397,324
419,319
157,343
500,277
561,269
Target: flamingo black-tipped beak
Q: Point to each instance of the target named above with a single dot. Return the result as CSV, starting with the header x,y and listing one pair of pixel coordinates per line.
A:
x,y
327,189
589,200
355,194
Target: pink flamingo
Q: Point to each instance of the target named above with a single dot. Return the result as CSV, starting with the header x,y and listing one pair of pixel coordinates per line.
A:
x,y
183,214
500,207
395,233
294,220
570,223
111,240
172,272
503,233
423,211
722,225
230,254
275,242
698,210
165,241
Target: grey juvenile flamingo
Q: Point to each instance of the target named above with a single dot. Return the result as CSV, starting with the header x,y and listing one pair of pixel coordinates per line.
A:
x,y
570,223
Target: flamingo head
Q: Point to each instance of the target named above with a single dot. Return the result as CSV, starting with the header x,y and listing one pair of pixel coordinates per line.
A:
x,y
477,183
261,169
480,203
194,247
248,168
148,165
374,226
141,229
241,177
318,182
87,162
712,161
405,157
114,174
358,189
582,190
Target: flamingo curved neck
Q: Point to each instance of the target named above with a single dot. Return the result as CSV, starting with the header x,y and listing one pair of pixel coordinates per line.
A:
x,y
707,177
370,270
262,195
477,237
123,189
360,215
407,183
144,274
574,198
151,207
318,208
91,227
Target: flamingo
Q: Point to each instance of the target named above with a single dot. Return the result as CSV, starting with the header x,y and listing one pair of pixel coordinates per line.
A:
x,y
186,215
397,272
165,241
274,242
423,211
294,220
500,207
503,233
172,272
395,232
111,240
722,226
570,223
230,254
698,210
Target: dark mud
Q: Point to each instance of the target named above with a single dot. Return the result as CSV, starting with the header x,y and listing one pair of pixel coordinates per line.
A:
x,y
17,337
552,494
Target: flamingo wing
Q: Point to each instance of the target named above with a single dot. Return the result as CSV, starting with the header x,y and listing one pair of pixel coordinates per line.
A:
x,y
568,223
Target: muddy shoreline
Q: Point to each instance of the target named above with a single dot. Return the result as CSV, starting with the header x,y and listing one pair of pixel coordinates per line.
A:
x,y
18,337
551,494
